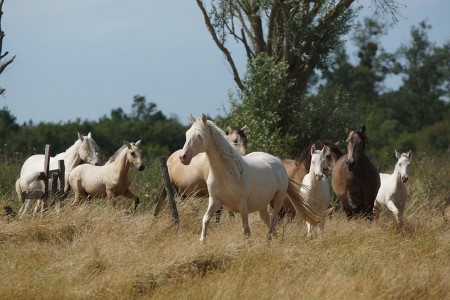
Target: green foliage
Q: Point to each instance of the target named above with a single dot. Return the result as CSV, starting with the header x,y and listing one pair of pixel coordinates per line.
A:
x,y
259,110
160,135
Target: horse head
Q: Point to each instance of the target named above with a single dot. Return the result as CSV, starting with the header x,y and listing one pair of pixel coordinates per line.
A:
x,y
195,139
356,144
134,155
403,162
88,150
317,161
238,138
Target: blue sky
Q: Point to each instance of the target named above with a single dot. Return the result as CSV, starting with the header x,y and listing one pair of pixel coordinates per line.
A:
x,y
81,59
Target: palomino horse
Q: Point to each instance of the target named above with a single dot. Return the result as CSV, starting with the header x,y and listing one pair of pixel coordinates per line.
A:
x,y
241,184
355,179
191,179
110,180
315,187
83,150
393,192
297,169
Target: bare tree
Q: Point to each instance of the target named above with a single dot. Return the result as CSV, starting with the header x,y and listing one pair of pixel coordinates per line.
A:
x,y
3,63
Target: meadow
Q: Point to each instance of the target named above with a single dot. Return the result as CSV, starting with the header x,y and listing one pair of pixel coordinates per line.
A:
x,y
93,251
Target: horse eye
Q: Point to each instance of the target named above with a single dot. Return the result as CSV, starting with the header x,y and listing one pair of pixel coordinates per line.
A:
x,y
235,141
133,153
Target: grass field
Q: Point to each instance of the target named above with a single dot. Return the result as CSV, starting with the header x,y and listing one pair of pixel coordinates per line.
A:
x,y
93,251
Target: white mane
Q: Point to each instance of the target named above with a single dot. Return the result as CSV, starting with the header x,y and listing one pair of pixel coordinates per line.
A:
x,y
232,158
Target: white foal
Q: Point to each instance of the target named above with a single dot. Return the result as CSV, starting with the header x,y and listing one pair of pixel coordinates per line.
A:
x,y
393,191
315,187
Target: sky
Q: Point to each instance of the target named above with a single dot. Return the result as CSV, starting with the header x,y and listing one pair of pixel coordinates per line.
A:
x,y
81,59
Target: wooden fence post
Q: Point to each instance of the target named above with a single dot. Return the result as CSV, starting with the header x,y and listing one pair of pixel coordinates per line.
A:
x,y
46,169
169,190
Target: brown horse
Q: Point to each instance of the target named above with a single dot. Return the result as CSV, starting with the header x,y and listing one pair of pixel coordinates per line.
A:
x,y
297,169
355,179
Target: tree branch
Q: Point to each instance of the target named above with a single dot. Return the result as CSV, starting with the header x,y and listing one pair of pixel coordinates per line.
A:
x,y
222,48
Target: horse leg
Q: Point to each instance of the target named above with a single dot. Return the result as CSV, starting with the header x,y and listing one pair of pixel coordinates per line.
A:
x,y
219,214
393,208
243,210
127,193
354,208
278,201
111,198
309,228
23,210
213,207
376,210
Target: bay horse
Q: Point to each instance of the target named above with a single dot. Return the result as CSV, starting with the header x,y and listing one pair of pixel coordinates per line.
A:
x,y
355,180
84,150
243,184
110,180
315,187
393,191
297,169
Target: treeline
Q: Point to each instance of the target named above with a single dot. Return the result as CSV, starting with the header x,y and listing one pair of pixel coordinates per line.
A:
x,y
160,135
349,91
402,97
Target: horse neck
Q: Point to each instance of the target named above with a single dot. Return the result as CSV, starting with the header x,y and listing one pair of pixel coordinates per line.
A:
x,y
121,164
223,165
71,156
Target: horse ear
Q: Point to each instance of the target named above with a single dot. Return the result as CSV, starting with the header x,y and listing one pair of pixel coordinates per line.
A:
x,y
325,149
410,153
126,143
397,155
137,143
337,143
229,130
347,130
204,118
89,135
80,136
313,149
191,119
363,128
243,128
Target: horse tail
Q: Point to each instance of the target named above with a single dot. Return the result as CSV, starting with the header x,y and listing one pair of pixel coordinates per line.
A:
x,y
19,191
301,205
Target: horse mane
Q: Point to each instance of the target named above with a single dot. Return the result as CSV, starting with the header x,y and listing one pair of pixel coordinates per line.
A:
x,y
116,154
230,154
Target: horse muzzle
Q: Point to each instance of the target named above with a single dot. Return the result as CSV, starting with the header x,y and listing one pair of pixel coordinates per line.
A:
x,y
184,159
405,178
141,168
319,177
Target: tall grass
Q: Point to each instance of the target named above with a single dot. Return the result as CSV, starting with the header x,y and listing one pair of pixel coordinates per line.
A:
x,y
93,251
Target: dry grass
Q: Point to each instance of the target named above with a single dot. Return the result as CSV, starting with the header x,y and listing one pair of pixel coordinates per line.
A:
x,y
92,251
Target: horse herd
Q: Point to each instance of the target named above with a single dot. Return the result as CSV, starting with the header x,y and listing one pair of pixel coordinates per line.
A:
x,y
215,165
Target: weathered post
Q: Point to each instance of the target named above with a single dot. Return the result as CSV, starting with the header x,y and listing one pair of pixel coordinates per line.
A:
x,y
46,170
169,190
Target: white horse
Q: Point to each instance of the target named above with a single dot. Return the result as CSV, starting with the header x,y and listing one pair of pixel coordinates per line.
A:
x,y
110,180
393,191
315,186
241,184
83,150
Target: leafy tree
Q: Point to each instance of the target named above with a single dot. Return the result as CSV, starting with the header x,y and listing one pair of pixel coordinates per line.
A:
x,y
297,35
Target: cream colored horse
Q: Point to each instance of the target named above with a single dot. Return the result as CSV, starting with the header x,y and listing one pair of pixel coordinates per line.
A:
x,y
191,179
315,186
393,191
110,180
243,184
83,150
